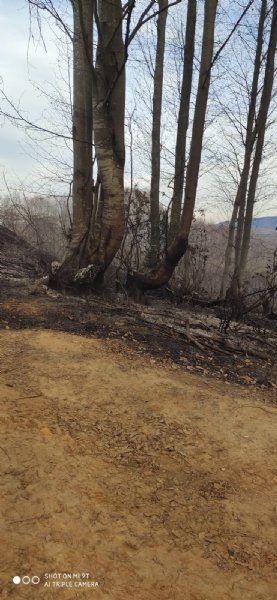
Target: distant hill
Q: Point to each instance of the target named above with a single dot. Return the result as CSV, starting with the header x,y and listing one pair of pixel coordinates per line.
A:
x,y
264,223
261,223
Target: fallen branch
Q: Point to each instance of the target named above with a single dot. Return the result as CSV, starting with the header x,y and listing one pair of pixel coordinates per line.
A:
x,y
181,330
223,345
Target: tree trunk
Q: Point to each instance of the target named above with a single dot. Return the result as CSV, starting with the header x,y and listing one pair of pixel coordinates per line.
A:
x,y
159,276
183,121
76,255
251,133
82,119
109,112
261,127
156,136
228,252
99,92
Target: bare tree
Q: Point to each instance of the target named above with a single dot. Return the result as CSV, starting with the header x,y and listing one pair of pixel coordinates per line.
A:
x,y
82,130
99,93
99,218
183,121
160,275
250,138
99,208
156,135
261,124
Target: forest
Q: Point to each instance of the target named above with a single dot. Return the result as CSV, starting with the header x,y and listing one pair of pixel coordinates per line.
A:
x,y
164,97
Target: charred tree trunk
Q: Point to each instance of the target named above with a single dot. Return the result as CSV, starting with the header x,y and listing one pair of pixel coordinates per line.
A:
x,y
228,252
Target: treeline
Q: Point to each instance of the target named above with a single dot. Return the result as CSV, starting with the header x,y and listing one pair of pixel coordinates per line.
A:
x,y
45,223
208,106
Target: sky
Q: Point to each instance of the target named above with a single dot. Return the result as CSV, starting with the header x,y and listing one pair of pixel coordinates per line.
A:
x,y
24,61
14,79
30,68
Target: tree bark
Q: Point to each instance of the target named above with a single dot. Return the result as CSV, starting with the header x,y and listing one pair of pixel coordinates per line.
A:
x,y
261,128
99,106
77,255
228,252
109,112
156,136
183,121
159,276
251,134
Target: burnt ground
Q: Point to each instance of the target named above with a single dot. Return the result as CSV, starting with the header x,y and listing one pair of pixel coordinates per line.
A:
x,y
159,330
130,451
185,335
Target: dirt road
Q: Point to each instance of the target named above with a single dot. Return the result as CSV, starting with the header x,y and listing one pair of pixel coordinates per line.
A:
x,y
158,484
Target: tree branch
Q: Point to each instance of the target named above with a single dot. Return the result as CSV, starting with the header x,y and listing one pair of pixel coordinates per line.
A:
x,y
217,54
18,117
143,20
48,7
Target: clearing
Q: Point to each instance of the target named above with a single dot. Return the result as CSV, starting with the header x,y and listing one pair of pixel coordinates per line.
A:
x,y
159,483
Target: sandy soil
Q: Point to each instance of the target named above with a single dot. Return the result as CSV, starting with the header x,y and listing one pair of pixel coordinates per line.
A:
x,y
158,483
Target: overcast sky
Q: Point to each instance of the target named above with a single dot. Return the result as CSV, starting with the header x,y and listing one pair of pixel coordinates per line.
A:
x,y
24,60
27,67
